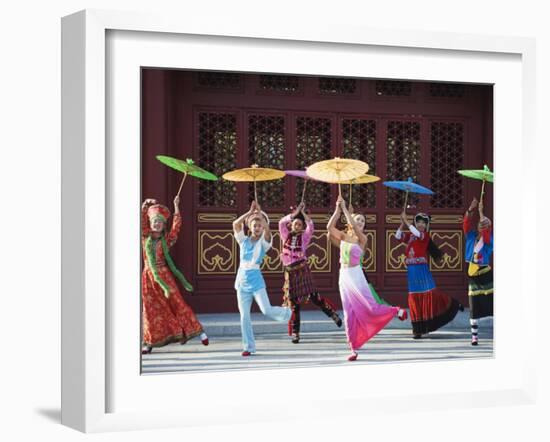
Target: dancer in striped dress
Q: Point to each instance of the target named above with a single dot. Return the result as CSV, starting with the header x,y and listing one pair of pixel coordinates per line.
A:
x,y
296,230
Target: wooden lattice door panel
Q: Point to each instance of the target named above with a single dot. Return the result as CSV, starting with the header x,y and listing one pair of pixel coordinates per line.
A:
x,y
359,142
447,90
313,140
286,84
404,152
266,147
447,156
337,86
393,88
219,81
217,152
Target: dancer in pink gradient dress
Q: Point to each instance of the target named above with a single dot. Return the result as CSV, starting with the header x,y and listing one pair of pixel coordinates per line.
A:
x,y
364,317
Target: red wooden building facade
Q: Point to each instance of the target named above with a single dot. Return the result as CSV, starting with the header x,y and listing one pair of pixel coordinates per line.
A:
x,y
229,120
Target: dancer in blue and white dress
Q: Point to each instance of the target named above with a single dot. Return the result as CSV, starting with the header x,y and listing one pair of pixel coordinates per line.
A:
x,y
250,284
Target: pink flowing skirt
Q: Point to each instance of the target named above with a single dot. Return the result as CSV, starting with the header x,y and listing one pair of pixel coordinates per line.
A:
x,y
363,316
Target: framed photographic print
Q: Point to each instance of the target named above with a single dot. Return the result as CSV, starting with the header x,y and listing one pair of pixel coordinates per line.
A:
x,y
198,180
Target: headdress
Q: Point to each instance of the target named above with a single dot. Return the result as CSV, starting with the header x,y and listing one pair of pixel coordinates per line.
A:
x,y
423,217
158,211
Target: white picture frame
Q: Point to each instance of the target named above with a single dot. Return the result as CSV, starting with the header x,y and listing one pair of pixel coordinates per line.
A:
x,y
93,41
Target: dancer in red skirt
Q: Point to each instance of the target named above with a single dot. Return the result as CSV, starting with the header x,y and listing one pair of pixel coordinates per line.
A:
x,y
430,308
166,316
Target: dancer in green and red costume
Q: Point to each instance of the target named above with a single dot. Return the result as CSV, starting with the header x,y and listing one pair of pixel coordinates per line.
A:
x,y
166,316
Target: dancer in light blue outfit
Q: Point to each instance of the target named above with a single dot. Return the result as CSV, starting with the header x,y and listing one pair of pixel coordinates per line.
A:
x,y
250,284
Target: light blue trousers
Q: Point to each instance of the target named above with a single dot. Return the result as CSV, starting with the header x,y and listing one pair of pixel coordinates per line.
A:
x,y
244,299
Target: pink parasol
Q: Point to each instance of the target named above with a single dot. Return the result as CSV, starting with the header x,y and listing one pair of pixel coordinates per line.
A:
x,y
300,174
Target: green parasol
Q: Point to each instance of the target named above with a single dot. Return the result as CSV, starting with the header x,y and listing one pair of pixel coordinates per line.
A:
x,y
187,167
484,175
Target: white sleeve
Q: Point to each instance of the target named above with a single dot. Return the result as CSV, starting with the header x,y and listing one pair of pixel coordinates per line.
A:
x,y
239,236
398,234
267,244
415,231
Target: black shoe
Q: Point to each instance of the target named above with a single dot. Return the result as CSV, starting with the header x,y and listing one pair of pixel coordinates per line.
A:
x,y
295,339
337,320
146,350
460,307
416,336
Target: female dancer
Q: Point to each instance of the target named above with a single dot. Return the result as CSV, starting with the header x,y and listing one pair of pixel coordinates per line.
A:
x,y
166,316
430,308
299,287
479,248
250,284
363,316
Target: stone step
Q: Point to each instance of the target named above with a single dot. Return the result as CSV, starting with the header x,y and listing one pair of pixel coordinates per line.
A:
x,y
228,324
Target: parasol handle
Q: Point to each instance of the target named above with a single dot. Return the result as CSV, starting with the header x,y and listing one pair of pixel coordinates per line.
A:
x,y
304,190
482,191
339,190
182,181
255,192
406,200
350,188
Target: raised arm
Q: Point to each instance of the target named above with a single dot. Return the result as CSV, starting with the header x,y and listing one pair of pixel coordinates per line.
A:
x,y
480,206
401,234
176,223
486,232
333,232
310,227
283,226
467,223
238,224
360,235
265,223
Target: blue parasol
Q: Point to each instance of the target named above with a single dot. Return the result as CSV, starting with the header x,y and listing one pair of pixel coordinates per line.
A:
x,y
408,186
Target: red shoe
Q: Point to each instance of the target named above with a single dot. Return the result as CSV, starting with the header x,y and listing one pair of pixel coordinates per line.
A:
x,y
402,315
246,353
205,341
352,357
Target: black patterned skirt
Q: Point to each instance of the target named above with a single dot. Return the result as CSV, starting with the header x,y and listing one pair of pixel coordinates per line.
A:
x,y
299,284
480,293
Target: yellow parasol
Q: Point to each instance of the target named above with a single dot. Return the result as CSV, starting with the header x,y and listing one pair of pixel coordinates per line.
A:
x,y
253,174
337,171
364,179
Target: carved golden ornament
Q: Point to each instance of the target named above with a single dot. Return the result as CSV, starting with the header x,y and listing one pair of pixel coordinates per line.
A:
x,y
369,260
395,256
224,259
450,242
216,217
